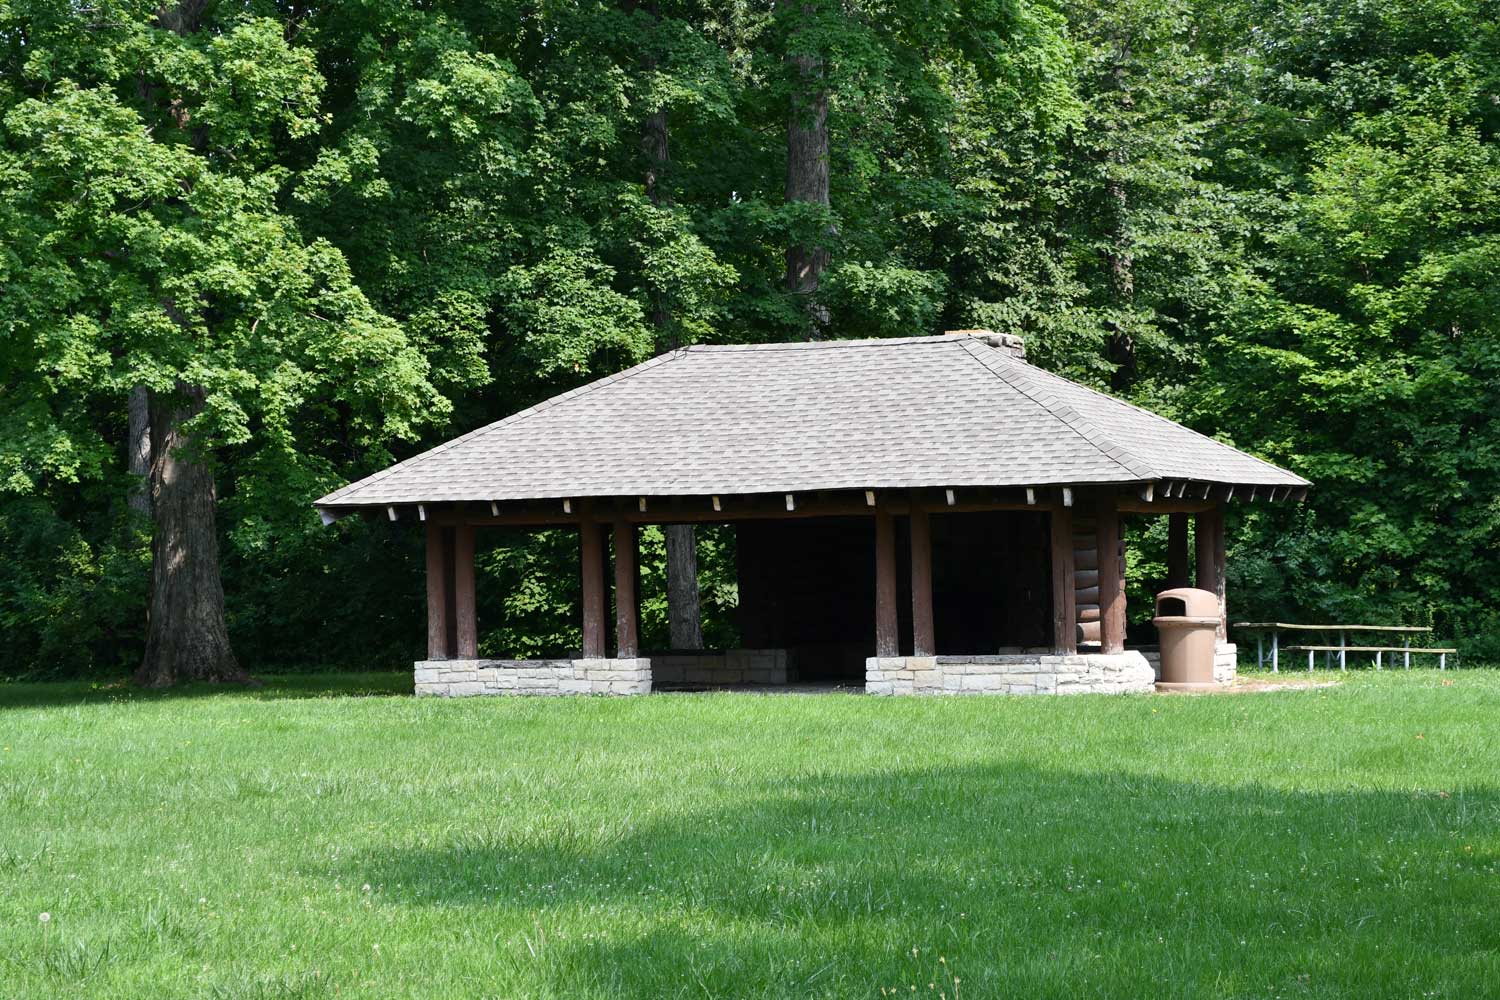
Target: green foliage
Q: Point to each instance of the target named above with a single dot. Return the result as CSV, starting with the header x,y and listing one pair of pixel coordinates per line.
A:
x,y
363,228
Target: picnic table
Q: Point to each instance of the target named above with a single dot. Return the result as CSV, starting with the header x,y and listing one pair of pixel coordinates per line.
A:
x,y
1328,648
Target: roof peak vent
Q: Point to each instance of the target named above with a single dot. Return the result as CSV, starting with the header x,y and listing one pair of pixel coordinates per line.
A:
x,y
1007,342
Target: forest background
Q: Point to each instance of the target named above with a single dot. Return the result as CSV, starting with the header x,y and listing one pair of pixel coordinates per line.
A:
x,y
252,250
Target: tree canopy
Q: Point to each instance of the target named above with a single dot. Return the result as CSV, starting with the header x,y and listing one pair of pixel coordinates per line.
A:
x,y
324,236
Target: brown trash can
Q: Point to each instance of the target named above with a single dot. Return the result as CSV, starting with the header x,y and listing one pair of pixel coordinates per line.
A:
x,y
1187,622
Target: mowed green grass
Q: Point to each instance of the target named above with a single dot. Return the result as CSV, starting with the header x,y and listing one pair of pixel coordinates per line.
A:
x,y
337,838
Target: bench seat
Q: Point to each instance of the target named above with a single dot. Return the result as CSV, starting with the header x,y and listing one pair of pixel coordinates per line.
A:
x,y
1369,649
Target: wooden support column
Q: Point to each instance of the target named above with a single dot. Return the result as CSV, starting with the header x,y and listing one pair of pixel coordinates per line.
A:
x,y
1209,529
1111,576
887,637
438,581
465,619
923,642
1064,596
627,641
1177,551
591,556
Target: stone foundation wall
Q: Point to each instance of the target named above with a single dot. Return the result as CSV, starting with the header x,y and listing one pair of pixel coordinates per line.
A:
x,y
735,666
1028,673
1226,662
457,678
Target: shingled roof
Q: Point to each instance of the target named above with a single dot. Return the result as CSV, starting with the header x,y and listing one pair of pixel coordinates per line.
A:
x,y
945,411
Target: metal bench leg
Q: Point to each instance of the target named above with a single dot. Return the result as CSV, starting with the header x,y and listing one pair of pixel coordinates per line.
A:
x,y
1309,660
1442,661
1377,659
1260,650
1275,655
1407,643
1341,652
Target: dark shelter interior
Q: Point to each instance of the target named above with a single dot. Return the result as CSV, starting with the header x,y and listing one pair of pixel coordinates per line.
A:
x,y
808,586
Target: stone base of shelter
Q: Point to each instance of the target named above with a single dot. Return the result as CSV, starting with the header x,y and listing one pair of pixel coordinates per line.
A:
x,y
731,667
1017,673
457,678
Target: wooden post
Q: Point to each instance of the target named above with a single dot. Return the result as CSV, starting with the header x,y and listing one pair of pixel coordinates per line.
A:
x,y
627,642
1064,597
923,642
591,545
1209,531
887,638
466,622
437,595
1177,551
1111,577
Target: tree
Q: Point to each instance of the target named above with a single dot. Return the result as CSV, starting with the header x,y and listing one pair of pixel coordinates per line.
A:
x,y
1362,344
146,247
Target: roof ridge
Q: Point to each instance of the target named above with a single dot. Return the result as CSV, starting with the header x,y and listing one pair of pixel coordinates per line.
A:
x,y
933,340
997,361
1171,423
342,494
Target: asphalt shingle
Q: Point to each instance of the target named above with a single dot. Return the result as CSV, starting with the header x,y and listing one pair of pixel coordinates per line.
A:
x,y
774,418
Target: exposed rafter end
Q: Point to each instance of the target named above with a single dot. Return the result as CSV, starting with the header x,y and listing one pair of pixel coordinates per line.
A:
x,y
641,504
1148,492
1067,496
567,506
494,509
421,512
791,502
869,498
329,516
950,497
716,504
1030,495
391,511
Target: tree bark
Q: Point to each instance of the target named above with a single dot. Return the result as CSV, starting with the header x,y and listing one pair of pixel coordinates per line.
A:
x,y
807,180
683,615
138,451
684,612
1121,259
186,635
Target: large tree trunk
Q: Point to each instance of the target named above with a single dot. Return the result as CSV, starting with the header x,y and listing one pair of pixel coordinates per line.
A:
x,y
684,614
684,620
138,451
1122,353
807,180
186,636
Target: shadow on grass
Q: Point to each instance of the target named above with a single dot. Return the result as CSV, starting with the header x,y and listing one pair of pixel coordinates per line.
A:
x,y
1028,881
274,687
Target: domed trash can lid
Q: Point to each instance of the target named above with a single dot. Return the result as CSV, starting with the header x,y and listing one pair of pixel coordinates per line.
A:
x,y
1184,604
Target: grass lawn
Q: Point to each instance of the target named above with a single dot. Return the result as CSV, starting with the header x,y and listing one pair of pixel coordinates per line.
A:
x,y
327,837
